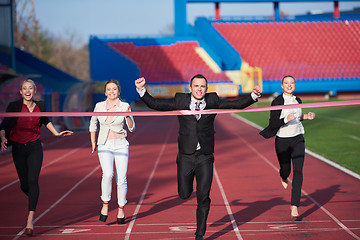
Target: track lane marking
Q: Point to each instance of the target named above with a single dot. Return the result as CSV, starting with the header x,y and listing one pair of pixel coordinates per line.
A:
x,y
59,200
315,155
303,191
166,224
81,232
227,205
47,165
66,194
137,209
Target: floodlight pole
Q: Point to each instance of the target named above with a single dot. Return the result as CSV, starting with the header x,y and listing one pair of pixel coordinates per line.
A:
x,y
217,11
181,28
13,57
277,11
336,9
180,25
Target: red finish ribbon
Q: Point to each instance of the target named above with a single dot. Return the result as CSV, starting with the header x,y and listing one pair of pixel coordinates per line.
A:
x,y
182,112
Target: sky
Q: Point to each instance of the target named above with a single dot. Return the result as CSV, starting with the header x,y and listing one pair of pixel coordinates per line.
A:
x,y
141,18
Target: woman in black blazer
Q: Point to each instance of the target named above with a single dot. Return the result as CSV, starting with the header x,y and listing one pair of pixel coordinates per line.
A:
x,y
24,135
289,142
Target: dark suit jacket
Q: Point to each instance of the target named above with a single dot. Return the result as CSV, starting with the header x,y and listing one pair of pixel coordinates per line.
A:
x,y
192,131
9,122
275,122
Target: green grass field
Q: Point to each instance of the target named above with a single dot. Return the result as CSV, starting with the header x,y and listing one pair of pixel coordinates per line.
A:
x,y
334,133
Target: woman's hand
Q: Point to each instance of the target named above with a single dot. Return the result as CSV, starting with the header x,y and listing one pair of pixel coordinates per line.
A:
x,y
128,110
3,144
92,140
129,120
65,133
93,147
309,116
290,117
52,129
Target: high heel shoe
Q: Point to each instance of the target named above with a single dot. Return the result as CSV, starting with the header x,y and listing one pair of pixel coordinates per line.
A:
x,y
284,183
29,224
103,217
294,211
29,231
121,220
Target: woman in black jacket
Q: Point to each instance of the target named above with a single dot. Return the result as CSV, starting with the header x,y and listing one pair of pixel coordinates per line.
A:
x,y
24,135
286,125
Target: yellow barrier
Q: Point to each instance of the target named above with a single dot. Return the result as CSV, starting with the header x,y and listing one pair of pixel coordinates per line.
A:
x,y
250,76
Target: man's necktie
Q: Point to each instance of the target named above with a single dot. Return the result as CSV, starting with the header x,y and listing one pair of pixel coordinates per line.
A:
x,y
197,108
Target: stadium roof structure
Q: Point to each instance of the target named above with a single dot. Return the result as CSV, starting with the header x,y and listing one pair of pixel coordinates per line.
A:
x,y
180,28
255,1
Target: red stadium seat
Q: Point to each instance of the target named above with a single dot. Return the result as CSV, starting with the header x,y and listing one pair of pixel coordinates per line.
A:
x,y
309,49
169,63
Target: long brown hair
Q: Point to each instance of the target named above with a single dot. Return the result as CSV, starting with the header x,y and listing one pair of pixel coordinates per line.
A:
x,y
113,81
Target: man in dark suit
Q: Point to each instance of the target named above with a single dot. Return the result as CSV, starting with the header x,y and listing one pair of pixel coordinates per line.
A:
x,y
196,138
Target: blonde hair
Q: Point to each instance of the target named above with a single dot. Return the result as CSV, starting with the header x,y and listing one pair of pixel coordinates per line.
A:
x,y
29,81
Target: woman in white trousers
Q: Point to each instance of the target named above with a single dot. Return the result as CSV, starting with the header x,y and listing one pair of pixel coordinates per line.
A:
x,y
112,147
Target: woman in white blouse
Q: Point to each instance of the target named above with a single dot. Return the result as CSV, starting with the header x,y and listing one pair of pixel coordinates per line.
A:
x,y
286,125
112,146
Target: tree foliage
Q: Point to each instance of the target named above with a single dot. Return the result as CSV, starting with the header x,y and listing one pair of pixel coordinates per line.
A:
x,y
62,52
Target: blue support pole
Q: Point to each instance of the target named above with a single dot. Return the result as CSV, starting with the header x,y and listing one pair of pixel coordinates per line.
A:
x,y
13,57
180,24
277,11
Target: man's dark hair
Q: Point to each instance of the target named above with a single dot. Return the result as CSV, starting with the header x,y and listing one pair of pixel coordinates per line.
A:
x,y
282,80
198,76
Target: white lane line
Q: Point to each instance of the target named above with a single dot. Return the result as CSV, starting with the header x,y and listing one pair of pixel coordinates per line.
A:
x,y
297,230
354,137
331,216
59,200
77,233
227,205
305,193
174,223
338,119
49,164
315,155
45,145
331,163
222,223
137,209
5,161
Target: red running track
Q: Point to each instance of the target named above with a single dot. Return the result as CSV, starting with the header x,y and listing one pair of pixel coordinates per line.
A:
x,y
248,201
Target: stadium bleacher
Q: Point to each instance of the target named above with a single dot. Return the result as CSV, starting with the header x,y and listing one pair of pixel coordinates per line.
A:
x,y
171,64
326,52
307,50
322,52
